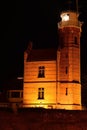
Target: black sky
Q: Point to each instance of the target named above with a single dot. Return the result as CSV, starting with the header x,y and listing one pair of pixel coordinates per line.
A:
x,y
26,20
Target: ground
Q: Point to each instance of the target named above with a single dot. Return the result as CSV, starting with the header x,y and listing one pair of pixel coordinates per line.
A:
x,y
42,119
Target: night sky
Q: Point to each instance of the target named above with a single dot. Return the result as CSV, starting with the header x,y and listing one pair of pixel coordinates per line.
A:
x,y
34,20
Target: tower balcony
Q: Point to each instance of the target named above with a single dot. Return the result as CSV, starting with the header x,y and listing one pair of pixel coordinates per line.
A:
x,y
69,24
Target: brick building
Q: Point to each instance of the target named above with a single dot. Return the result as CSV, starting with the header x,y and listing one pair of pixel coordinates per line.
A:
x,y
52,77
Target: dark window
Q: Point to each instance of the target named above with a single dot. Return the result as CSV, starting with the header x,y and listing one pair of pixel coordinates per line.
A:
x,y
41,72
75,40
15,94
66,70
66,55
66,91
40,93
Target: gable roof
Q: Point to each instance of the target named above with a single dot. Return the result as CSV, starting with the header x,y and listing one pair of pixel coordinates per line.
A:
x,y
42,55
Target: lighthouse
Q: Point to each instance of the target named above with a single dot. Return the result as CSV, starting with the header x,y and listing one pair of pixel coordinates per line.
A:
x,y
69,73
52,76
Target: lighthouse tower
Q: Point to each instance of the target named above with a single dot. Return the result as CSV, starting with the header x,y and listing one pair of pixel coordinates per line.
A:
x,y
69,82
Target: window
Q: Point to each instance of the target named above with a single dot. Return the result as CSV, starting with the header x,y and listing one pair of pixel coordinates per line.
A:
x,y
75,40
66,91
66,70
40,93
15,94
66,55
41,72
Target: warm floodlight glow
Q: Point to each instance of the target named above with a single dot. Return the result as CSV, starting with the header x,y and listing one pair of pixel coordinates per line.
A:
x,y
65,17
19,77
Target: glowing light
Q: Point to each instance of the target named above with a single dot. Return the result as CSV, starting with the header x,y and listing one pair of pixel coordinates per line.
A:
x,y
65,17
19,77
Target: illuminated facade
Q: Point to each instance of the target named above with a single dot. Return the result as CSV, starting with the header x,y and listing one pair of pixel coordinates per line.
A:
x,y
52,77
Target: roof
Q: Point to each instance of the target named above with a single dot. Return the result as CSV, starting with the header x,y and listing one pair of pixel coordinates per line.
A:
x,y
42,55
13,84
